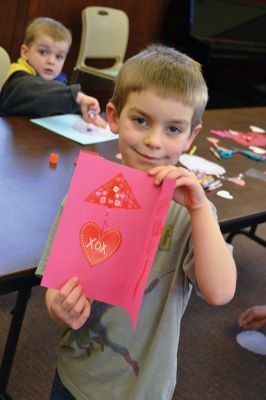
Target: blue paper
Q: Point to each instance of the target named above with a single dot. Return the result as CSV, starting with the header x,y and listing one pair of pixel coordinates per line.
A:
x,y
73,127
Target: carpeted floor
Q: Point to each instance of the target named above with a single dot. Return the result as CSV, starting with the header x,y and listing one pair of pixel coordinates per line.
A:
x,y
212,366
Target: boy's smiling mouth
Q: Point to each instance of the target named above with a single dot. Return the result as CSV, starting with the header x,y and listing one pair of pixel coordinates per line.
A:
x,y
151,158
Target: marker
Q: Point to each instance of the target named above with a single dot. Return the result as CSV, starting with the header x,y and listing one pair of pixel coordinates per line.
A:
x,y
192,151
214,152
213,186
91,115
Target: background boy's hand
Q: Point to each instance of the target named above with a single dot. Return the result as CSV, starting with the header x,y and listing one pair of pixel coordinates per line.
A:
x,y
253,317
69,305
188,192
90,103
99,121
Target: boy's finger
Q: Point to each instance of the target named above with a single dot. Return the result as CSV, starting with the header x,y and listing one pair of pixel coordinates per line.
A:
x,y
166,172
66,290
155,170
99,121
246,318
94,106
72,298
80,321
79,307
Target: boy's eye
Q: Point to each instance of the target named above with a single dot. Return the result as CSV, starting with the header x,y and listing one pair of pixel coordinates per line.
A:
x,y
43,52
174,129
140,120
60,57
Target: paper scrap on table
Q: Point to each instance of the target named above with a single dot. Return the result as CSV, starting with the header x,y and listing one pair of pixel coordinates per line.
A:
x,y
255,173
66,125
253,341
257,150
196,163
109,232
254,128
225,194
246,139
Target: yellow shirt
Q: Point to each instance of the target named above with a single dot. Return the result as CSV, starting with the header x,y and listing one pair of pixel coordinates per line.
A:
x,y
21,65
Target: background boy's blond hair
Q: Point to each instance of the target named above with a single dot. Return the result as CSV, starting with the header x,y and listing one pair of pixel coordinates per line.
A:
x,y
168,73
47,26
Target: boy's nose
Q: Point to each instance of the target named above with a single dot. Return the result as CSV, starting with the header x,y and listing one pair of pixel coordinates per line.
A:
x,y
51,59
153,138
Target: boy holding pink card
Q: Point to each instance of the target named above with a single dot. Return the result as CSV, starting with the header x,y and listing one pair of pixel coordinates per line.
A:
x,y
156,109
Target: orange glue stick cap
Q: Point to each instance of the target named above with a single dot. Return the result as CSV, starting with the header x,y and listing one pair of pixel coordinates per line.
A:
x,y
54,157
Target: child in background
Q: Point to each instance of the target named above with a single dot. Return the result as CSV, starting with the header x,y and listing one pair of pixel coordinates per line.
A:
x,y
253,317
156,109
35,86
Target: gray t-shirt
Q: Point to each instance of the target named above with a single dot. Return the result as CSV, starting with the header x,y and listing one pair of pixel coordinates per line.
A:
x,y
106,358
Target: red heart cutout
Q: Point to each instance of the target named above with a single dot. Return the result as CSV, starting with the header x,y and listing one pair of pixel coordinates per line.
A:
x,y
96,244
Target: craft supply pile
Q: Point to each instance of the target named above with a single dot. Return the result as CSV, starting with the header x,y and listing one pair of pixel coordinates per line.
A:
x,y
212,175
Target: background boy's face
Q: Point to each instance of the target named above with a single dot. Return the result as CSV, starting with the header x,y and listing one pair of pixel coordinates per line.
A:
x,y
153,130
46,56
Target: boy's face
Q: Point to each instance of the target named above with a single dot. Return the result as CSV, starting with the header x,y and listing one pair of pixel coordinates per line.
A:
x,y
46,56
153,130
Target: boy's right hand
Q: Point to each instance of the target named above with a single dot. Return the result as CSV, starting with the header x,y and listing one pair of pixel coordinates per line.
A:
x,y
69,305
86,103
188,191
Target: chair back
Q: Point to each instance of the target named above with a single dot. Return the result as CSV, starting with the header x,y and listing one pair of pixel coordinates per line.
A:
x,y
104,36
4,65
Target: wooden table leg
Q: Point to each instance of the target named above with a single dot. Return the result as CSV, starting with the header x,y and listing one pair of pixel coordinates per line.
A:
x,y
12,339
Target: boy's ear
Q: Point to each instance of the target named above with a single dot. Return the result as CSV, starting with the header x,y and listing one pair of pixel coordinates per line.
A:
x,y
112,117
192,137
24,51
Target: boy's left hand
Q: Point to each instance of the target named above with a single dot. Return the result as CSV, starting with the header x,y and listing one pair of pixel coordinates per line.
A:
x,y
188,191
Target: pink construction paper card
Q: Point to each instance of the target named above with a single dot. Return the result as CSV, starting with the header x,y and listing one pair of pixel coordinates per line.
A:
x,y
109,232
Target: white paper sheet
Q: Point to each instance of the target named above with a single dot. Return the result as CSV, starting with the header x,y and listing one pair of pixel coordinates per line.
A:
x,y
196,163
73,127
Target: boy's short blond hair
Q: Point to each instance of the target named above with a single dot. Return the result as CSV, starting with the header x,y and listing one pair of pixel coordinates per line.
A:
x,y
168,73
47,26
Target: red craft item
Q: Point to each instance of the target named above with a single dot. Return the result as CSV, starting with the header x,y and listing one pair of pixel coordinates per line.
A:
x,y
245,139
97,244
115,193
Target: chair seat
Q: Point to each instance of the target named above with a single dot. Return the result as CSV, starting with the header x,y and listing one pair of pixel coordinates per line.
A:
x,y
108,73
